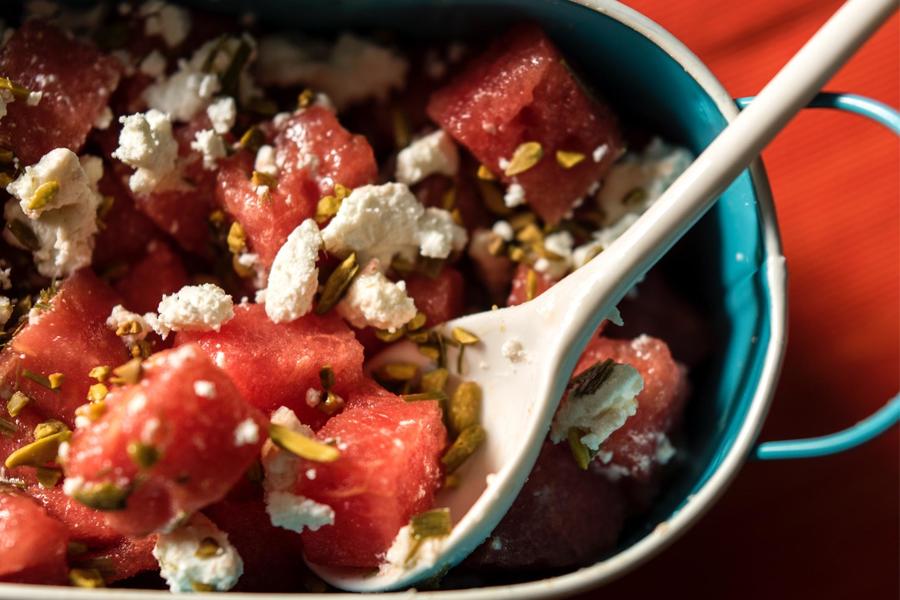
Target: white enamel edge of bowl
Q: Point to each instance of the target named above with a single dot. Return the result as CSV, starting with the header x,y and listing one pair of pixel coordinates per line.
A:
x,y
697,504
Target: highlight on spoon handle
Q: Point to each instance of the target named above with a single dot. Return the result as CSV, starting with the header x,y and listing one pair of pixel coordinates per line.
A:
x,y
594,289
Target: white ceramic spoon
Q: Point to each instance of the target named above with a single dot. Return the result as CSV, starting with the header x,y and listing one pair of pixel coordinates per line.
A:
x,y
520,398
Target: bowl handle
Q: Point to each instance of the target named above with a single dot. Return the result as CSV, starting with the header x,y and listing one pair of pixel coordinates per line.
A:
x,y
889,414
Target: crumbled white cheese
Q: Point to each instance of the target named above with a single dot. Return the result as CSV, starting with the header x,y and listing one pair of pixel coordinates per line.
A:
x,y
374,300
598,409
514,196
246,432
65,225
146,143
222,114
381,221
194,308
119,316
599,152
513,350
211,146
294,277
296,513
406,553
187,91
182,568
313,397
279,465
6,310
351,71
153,65
204,388
560,244
265,161
7,97
504,230
433,154
104,119
664,450
168,21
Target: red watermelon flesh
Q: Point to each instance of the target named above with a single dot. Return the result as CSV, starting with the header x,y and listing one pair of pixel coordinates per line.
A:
x,y
84,524
24,424
635,446
159,272
70,337
440,298
563,517
191,431
75,78
275,364
518,91
389,470
273,557
313,153
126,231
518,292
32,543
124,559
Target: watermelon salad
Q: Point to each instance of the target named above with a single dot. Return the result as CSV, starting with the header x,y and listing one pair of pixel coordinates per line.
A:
x,y
210,229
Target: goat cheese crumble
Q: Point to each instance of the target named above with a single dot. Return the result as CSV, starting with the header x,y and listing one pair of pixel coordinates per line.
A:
x,y
153,65
63,222
294,277
406,553
194,308
168,21
246,432
382,221
433,154
296,513
211,146
198,553
204,388
599,410
146,144
514,196
374,300
222,114
120,316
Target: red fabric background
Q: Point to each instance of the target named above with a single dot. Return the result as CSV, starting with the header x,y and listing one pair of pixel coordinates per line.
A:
x,y
828,527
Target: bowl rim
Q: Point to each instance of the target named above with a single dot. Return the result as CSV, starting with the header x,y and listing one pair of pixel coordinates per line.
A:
x,y
698,503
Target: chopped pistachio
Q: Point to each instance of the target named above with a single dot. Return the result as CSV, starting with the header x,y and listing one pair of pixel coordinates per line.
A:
x,y
464,337
100,372
525,156
567,159
47,477
106,204
199,586
496,246
451,481
634,196
86,578
327,207
463,447
7,427
207,548
237,239
127,373
140,349
434,381
131,327
531,284
301,445
217,217
50,427
258,178
23,234
431,523
44,195
19,92
485,174
102,496
390,336
38,453
398,371
430,352
516,254
400,122
521,220
464,407
305,98
337,284
230,79
39,379
448,199
431,395
457,217
332,403
580,452
17,403
92,410
417,322
530,234
326,377
143,455
493,198
252,140
97,392
341,191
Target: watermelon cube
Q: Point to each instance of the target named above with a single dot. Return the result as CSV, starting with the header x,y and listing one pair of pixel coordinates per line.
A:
x,y
85,525
275,364
159,272
641,446
127,557
126,231
166,446
520,90
69,336
389,470
76,81
314,152
440,298
32,543
563,517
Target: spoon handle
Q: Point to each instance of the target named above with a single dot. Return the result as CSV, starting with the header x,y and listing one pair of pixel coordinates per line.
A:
x,y
591,292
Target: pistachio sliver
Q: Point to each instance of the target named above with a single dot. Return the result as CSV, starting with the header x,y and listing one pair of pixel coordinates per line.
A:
x,y
23,234
525,156
252,139
463,447
337,284
48,477
143,455
420,396
465,406
127,373
39,452
86,578
207,548
464,337
485,174
431,523
17,402
102,496
327,207
47,428
237,239
301,445
567,159
7,427
434,381
331,404
580,452
44,195
398,371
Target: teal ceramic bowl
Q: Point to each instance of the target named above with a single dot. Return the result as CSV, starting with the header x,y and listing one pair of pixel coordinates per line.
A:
x,y
737,273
